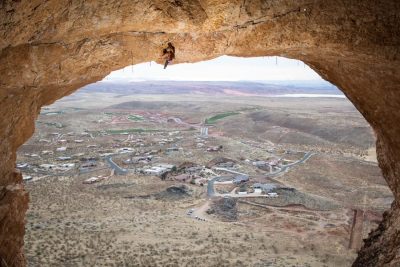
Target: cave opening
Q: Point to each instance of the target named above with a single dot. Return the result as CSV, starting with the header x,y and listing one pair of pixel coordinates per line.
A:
x,y
49,49
308,155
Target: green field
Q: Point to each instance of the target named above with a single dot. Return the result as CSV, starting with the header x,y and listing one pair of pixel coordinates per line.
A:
x,y
115,113
220,116
135,118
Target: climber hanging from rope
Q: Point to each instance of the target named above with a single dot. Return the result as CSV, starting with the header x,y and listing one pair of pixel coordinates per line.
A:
x,y
168,54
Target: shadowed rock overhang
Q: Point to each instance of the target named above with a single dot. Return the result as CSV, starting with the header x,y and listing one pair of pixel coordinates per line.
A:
x,y
48,49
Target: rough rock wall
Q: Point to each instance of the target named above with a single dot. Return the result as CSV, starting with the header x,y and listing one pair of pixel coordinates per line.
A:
x,y
50,48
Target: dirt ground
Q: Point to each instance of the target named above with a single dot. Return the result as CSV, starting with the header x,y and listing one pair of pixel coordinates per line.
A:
x,y
71,224
134,220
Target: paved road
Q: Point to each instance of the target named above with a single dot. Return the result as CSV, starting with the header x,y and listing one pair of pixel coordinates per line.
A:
x,y
288,166
210,186
118,170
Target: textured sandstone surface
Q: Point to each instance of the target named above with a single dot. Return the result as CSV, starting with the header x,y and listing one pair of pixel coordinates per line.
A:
x,y
50,48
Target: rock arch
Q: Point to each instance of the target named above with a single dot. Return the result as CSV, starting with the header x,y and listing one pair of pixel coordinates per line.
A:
x,y
48,49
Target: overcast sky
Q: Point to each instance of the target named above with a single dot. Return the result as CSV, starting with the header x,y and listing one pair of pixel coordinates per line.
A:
x,y
224,68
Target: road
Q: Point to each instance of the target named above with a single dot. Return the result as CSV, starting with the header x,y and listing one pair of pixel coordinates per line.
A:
x,y
118,170
210,185
201,211
288,166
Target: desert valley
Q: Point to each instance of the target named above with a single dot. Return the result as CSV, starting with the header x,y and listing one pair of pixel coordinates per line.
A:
x,y
201,174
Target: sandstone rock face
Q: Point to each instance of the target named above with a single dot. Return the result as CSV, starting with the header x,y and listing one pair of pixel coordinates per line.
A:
x,y
50,48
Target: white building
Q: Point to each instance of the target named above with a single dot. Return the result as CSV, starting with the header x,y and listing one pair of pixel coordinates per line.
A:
x,y
64,158
22,165
165,166
47,152
26,177
64,167
60,149
125,150
155,171
257,190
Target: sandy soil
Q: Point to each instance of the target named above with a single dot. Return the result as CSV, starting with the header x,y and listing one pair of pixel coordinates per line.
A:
x,y
133,221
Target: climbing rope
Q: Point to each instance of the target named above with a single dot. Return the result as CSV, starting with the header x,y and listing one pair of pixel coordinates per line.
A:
x,y
132,60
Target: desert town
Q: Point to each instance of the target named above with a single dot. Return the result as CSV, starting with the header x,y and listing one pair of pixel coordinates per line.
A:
x,y
195,168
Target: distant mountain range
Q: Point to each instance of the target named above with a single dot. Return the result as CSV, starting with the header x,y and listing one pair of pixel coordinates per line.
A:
x,y
243,88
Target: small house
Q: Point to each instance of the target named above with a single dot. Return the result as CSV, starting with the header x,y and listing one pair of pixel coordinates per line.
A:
x,y
238,179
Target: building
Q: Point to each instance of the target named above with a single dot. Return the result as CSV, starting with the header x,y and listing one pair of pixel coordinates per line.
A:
x,y
257,190
61,149
157,171
242,190
214,148
266,188
91,180
26,177
47,166
194,169
228,164
22,165
46,152
89,164
65,167
238,179
125,150
259,163
166,166
64,158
